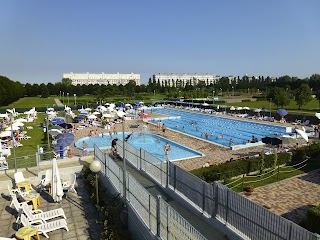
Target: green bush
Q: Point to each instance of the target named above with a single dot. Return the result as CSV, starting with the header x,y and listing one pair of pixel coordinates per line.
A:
x,y
110,208
236,168
246,100
312,151
313,219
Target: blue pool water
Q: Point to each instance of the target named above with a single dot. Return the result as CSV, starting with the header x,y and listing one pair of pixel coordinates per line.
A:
x,y
147,141
239,130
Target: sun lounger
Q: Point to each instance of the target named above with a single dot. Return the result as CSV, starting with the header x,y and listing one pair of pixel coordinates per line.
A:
x,y
45,227
40,215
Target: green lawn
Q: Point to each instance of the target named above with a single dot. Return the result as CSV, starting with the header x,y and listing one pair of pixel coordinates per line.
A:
x,y
284,172
30,102
310,108
25,155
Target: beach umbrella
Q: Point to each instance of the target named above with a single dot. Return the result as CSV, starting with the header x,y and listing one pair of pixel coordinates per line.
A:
x,y
21,120
271,140
144,115
107,115
282,112
56,185
239,108
78,118
66,125
92,116
303,134
58,120
83,113
257,110
88,109
317,115
246,108
96,113
232,108
54,132
5,134
13,128
288,140
55,127
205,104
64,140
121,114
127,105
18,124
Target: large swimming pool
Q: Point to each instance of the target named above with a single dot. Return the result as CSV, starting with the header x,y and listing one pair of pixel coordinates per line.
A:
x,y
152,143
198,125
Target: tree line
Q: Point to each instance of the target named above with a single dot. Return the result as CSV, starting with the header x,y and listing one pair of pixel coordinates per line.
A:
x,y
278,90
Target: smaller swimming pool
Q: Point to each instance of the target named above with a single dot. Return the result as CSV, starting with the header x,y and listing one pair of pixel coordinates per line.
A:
x,y
152,143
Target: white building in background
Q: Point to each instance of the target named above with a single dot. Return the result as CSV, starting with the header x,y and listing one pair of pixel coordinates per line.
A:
x,y
102,78
171,79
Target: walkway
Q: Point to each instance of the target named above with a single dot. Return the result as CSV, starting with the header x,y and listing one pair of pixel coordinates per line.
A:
x,y
204,228
58,102
292,197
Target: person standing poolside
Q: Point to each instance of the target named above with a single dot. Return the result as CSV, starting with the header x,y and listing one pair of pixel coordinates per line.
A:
x,y
231,143
166,148
114,146
163,129
84,148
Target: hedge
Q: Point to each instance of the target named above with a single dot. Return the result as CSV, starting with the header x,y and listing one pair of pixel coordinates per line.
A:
x,y
236,168
312,151
313,219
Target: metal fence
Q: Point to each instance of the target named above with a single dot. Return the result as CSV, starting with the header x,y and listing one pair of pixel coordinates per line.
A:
x,y
145,161
159,217
217,201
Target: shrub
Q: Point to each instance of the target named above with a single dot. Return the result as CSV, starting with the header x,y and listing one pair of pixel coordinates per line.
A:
x,y
246,100
236,168
110,208
313,219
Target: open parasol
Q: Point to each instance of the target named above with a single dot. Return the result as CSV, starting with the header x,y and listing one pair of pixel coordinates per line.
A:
x,y
282,112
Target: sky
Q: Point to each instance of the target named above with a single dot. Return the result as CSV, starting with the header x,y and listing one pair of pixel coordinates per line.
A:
x,y
41,40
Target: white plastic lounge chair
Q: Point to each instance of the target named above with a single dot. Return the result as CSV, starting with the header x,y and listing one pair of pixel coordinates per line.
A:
x,y
46,180
12,192
40,215
69,185
18,206
45,227
18,177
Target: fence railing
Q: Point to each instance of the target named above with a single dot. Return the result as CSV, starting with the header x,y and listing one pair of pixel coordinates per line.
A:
x,y
217,201
144,161
159,217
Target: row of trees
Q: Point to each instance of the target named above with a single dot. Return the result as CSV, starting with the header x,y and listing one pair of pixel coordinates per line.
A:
x,y
277,90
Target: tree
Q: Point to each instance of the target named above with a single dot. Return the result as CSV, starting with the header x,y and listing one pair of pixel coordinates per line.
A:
x,y
44,92
318,97
275,158
303,95
262,163
279,97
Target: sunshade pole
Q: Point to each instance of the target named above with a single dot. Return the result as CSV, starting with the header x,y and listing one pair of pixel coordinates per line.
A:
x,y
47,123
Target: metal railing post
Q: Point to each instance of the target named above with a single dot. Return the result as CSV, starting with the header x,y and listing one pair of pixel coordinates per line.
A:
x,y
158,215
216,200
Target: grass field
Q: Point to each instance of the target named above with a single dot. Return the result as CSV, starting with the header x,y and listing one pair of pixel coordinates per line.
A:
x,y
25,155
271,177
30,102
312,106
